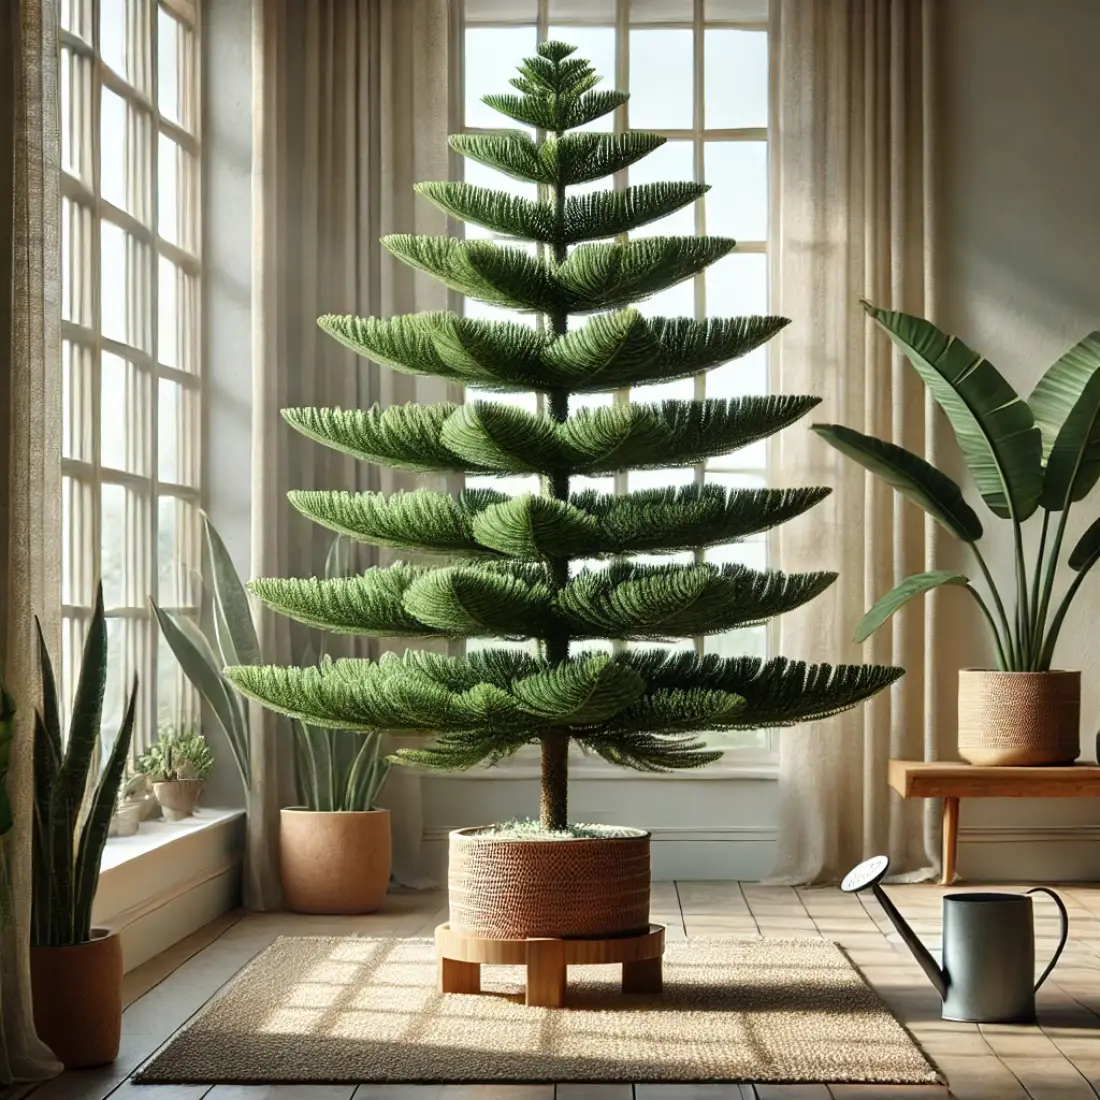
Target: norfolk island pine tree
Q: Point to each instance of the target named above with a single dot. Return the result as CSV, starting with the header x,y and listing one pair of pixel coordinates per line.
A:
x,y
511,572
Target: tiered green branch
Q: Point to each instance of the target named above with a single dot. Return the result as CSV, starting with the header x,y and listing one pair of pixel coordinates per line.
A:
x,y
513,573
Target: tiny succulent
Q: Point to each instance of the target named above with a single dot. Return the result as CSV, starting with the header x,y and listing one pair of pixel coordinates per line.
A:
x,y
177,754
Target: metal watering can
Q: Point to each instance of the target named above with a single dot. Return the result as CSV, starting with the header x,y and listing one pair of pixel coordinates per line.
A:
x,y
988,973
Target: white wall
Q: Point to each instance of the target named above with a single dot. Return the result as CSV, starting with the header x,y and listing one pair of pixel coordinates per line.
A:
x,y
1019,274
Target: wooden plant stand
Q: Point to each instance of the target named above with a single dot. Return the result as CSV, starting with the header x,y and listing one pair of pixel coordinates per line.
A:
x,y
460,958
917,779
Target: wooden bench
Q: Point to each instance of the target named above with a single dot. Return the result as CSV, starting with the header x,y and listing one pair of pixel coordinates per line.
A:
x,y
918,779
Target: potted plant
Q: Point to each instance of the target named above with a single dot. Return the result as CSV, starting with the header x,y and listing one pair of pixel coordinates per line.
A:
x,y
515,571
76,970
178,765
1027,459
334,847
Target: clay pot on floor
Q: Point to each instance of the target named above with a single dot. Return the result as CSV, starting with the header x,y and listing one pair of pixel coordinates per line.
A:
x,y
77,994
178,797
334,862
590,888
1019,718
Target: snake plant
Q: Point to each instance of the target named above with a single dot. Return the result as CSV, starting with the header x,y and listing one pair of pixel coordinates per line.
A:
x,y
70,830
1027,459
334,769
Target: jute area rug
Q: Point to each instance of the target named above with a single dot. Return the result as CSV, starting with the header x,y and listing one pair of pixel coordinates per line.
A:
x,y
330,1010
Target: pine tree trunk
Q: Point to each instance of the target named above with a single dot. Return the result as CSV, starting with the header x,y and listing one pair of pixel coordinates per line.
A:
x,y
554,802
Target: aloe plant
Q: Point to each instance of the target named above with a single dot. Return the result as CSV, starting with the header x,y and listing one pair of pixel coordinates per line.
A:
x,y
70,830
1026,458
334,769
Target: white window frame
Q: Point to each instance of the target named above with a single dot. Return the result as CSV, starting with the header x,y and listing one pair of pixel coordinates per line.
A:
x,y
748,761
86,76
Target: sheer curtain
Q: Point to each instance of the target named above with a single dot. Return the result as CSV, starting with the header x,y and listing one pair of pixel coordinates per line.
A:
x,y
30,466
854,219
352,102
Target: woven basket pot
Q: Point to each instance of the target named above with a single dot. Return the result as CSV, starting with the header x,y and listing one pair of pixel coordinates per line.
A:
x,y
178,797
1019,718
582,888
334,862
77,993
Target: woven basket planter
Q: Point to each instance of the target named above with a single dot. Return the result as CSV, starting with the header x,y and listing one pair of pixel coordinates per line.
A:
x,y
557,889
1019,718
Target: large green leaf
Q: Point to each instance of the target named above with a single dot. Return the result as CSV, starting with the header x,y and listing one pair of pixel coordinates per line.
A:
x,y
202,668
1066,405
911,475
1087,550
236,632
993,425
897,597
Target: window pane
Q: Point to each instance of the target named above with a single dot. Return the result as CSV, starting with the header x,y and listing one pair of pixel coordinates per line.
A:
x,y
660,479
78,551
492,54
76,402
119,679
677,301
112,35
673,161
177,432
76,17
168,179
124,420
113,150
681,389
735,79
740,378
661,67
75,85
737,285
76,276
123,287
752,553
597,45
120,526
178,556
168,66
737,203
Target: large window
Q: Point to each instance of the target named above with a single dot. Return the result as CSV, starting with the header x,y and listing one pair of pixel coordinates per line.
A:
x,y
697,73
130,338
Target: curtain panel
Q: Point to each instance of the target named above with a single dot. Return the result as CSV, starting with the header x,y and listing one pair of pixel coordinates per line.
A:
x,y
30,467
352,102
853,178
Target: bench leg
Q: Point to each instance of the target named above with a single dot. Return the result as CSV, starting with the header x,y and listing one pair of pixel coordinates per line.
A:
x,y
546,973
459,977
642,976
950,819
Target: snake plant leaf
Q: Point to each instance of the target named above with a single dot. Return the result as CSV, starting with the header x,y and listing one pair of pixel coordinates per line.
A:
x,y
199,664
918,480
1066,404
1084,555
900,595
995,428
240,645
93,836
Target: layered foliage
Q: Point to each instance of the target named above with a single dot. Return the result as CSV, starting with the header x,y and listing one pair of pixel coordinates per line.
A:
x,y
513,568
1028,457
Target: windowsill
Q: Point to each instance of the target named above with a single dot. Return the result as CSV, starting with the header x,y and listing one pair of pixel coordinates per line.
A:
x,y
756,770
154,835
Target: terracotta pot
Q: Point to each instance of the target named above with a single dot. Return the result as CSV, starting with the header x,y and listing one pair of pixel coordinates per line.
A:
x,y
1019,718
77,995
178,797
334,862
570,888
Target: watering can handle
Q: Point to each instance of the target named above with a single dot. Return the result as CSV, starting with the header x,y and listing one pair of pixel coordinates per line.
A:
x,y
1062,938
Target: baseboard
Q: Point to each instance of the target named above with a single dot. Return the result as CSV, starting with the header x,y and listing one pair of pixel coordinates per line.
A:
x,y
1029,834
170,881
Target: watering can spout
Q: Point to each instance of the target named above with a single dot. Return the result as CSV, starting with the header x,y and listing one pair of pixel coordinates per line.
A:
x,y
870,874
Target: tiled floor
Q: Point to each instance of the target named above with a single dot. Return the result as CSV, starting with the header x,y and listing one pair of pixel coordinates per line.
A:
x,y
1060,1058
